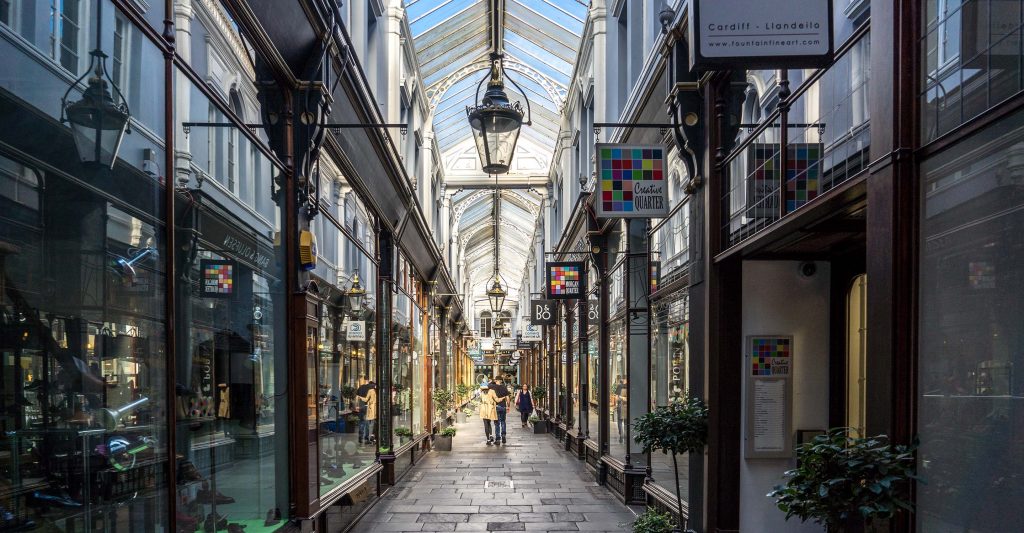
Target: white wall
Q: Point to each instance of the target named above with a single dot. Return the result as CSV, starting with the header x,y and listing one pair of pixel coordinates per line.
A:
x,y
778,300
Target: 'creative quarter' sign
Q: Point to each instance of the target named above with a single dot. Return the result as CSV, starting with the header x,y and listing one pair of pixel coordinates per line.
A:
x,y
566,280
218,278
763,34
632,181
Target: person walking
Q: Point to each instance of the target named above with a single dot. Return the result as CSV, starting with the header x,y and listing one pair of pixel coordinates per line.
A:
x,y
503,401
524,402
366,398
488,411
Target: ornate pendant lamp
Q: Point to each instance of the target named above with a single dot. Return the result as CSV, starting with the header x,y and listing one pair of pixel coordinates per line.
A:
x,y
98,121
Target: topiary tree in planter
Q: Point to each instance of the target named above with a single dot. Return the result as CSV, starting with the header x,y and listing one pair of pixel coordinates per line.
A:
x,y
539,393
845,483
651,521
679,427
443,400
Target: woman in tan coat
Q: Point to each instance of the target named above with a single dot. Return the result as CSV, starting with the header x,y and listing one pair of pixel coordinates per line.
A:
x,y
488,410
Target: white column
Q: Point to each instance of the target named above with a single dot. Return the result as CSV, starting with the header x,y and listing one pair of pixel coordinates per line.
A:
x,y
183,15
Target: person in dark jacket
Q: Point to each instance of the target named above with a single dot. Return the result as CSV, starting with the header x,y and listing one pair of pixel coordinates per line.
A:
x,y
524,402
503,403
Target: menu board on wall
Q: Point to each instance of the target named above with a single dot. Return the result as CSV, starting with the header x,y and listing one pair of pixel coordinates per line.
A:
x,y
768,366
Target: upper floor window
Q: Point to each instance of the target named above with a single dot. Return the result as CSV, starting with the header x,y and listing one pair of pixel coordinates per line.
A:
x,y
66,33
7,13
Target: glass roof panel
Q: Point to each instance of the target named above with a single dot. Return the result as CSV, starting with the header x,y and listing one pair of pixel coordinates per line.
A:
x,y
452,41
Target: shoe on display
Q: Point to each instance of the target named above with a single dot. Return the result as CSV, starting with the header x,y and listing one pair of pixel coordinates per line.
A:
x,y
188,473
61,499
214,522
208,496
186,520
235,528
273,517
80,417
10,522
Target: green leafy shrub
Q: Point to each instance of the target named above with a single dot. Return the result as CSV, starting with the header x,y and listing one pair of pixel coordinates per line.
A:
x,y
841,480
348,392
677,428
403,432
651,521
464,390
540,392
534,419
444,400
448,431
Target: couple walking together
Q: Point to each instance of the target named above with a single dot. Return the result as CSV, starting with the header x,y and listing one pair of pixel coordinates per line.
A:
x,y
494,401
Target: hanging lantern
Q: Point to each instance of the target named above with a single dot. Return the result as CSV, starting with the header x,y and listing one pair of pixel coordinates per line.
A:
x,y
355,294
496,295
98,122
496,123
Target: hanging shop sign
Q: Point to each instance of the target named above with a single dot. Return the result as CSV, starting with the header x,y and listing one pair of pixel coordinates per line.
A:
x,y
532,333
655,275
543,312
765,34
803,177
566,280
356,330
218,278
632,181
769,361
307,250
593,311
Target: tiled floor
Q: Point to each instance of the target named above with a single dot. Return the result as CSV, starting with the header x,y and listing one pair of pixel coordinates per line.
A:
x,y
527,485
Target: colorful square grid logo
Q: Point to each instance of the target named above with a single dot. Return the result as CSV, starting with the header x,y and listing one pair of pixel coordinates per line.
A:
x,y
566,280
620,168
803,174
218,278
770,356
561,276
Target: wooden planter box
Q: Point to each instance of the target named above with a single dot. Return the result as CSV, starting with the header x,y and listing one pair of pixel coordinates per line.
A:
x,y
540,426
442,444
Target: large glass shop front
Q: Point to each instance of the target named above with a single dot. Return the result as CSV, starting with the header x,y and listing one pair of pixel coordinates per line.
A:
x,y
83,398
346,388
670,332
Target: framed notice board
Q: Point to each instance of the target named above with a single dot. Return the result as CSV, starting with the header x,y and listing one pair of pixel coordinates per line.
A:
x,y
768,378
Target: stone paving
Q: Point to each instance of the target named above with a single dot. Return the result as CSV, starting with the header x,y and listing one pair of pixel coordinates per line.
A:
x,y
529,484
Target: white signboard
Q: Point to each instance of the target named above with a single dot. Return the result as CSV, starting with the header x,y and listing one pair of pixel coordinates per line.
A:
x,y
356,330
769,391
767,33
532,334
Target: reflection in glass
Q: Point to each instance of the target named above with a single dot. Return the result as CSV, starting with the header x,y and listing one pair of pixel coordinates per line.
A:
x,y
83,411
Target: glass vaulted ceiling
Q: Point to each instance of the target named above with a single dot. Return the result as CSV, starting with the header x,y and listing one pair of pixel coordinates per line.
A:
x,y
452,42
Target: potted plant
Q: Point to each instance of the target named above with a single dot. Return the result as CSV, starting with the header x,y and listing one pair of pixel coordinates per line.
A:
x,y
467,412
652,521
443,400
677,428
845,483
348,392
403,433
351,422
464,391
539,426
443,442
540,392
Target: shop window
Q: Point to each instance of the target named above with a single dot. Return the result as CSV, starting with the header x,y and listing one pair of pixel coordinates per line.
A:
x,y
969,417
856,354
670,359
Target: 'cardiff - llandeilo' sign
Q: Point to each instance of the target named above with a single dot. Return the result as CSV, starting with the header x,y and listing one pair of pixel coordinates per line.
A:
x,y
762,34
